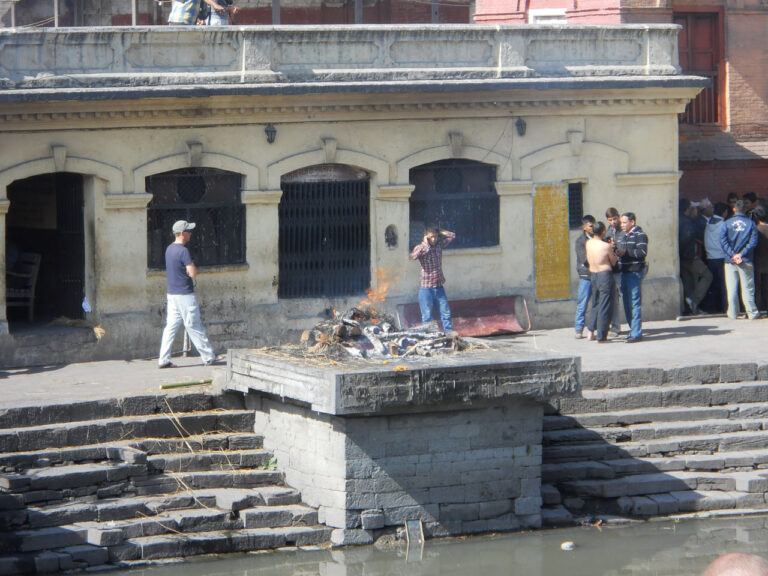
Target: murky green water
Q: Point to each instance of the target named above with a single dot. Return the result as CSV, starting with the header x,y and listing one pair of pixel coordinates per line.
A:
x,y
652,548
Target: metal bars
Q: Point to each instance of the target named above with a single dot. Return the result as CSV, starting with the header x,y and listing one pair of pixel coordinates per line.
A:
x,y
324,244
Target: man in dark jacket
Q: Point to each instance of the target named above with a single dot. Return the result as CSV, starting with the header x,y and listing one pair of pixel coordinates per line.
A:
x,y
632,252
694,273
585,276
738,237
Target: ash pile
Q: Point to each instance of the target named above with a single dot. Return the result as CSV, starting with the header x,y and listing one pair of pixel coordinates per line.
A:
x,y
363,333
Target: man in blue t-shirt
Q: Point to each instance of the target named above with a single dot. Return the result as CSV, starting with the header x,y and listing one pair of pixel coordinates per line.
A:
x,y
738,238
182,304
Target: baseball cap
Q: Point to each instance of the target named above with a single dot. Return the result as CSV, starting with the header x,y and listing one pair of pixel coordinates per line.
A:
x,y
181,225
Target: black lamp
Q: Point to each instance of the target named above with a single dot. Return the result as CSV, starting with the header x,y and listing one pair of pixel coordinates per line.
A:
x,y
271,132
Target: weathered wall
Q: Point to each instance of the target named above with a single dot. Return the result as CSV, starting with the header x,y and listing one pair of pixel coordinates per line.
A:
x,y
593,122
459,471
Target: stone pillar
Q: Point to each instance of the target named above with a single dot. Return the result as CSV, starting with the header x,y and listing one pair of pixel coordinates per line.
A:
x,y
262,228
391,224
516,228
4,206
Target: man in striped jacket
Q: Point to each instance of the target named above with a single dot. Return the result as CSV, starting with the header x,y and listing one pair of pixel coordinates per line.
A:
x,y
632,251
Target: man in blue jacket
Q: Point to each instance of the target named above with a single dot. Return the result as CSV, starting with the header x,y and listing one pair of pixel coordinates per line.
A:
x,y
738,237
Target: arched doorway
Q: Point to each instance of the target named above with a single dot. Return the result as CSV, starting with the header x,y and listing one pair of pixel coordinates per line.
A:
x,y
325,243
46,217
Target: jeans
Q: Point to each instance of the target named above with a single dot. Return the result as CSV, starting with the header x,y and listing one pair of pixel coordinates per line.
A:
x,y
740,274
716,300
631,283
427,299
582,301
183,309
616,297
218,18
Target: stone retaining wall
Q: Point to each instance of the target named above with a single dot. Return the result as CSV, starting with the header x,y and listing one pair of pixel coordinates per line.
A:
x,y
459,471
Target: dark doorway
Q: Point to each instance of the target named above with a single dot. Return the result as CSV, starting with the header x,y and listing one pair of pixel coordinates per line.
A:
x,y
46,217
324,244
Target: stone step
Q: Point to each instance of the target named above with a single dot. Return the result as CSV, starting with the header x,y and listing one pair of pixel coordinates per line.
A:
x,y
171,483
173,402
581,470
671,446
204,442
641,432
645,416
648,397
116,429
68,559
678,502
701,374
220,460
113,509
754,482
69,478
218,542
127,450
278,516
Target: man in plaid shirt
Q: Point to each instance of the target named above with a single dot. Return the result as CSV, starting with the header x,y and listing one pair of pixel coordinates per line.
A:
x,y
430,255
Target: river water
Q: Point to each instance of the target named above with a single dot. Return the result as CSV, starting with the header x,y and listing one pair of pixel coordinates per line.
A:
x,y
637,549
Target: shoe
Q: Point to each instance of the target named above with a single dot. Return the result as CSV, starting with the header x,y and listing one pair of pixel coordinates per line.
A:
x,y
633,339
167,365
219,360
614,333
692,306
579,334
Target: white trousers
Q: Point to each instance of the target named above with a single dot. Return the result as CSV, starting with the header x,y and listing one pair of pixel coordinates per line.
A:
x,y
183,309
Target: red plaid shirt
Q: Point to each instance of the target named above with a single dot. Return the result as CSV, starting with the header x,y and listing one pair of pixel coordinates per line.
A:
x,y
431,259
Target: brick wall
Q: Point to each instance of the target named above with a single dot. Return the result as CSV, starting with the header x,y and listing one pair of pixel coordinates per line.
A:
x,y
459,471
715,180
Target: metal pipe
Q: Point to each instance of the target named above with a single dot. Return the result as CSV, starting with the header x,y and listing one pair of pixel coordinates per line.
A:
x,y
134,12
56,13
275,12
358,11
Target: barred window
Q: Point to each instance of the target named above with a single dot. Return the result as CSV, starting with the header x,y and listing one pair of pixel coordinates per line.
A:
x,y
455,195
206,196
575,205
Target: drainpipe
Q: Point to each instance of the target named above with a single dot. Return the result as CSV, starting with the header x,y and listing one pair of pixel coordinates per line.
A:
x,y
55,13
275,12
358,11
134,12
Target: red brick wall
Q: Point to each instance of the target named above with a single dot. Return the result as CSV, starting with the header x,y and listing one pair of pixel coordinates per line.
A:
x,y
714,180
577,11
747,54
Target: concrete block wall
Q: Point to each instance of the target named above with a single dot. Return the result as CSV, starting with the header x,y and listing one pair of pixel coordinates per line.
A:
x,y
459,471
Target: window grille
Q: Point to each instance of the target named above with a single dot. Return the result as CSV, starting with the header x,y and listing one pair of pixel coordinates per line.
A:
x,y
206,196
575,205
455,195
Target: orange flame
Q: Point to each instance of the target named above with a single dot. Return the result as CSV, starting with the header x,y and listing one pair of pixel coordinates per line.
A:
x,y
384,281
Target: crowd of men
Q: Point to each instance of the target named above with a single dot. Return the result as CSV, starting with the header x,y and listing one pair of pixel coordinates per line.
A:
x,y
724,256
611,260
723,265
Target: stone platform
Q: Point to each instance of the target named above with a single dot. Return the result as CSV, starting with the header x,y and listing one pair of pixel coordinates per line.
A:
x,y
454,441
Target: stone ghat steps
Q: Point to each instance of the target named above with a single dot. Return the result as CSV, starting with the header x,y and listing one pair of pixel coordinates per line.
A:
x,y
157,547
167,425
180,402
169,521
654,442
739,461
142,481
654,431
127,450
648,397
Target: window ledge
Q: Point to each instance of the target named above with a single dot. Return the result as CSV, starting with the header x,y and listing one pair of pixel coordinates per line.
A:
x,y
473,251
205,270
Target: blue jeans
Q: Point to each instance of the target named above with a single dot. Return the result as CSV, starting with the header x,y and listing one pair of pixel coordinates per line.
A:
x,y
582,301
427,299
633,301
740,275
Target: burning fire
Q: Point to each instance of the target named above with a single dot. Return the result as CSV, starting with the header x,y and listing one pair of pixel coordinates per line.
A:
x,y
384,280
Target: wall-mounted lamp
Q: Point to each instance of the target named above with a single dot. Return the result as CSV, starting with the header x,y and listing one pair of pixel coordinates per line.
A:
x,y
271,132
520,124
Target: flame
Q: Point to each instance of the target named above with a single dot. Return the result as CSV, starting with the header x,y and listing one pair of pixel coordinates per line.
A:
x,y
384,280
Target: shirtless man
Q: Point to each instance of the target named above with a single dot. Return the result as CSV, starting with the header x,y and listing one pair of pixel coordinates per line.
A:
x,y
601,257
